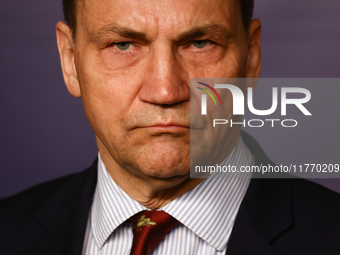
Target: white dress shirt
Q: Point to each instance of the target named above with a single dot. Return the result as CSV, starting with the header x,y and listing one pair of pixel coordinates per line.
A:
x,y
206,214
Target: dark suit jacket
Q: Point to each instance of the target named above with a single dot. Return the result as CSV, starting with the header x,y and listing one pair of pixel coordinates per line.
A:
x,y
277,216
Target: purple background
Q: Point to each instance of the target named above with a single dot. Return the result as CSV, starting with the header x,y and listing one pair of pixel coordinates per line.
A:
x,y
44,132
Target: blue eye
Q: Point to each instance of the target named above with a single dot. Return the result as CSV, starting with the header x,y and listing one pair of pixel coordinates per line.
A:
x,y
199,44
123,45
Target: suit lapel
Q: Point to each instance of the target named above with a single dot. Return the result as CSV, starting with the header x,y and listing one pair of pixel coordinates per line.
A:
x,y
265,211
65,215
245,240
264,214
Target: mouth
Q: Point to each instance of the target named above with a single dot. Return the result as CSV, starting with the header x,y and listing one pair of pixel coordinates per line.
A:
x,y
159,128
167,128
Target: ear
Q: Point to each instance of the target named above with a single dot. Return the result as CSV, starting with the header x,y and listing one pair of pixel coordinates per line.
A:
x,y
254,50
66,53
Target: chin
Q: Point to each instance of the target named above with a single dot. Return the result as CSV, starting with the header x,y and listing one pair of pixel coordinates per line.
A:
x,y
163,159
165,172
165,165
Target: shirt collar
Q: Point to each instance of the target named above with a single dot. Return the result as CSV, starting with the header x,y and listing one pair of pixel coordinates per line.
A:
x,y
111,206
209,210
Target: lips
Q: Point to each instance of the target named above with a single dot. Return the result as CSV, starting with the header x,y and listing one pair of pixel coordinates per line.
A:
x,y
171,124
161,125
166,127
175,126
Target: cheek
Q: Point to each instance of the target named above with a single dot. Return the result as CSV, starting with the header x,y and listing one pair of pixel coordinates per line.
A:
x,y
109,86
107,96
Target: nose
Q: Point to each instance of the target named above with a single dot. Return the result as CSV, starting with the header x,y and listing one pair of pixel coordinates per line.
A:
x,y
166,82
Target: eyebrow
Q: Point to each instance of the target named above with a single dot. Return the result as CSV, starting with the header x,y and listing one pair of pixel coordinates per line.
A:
x,y
214,30
121,31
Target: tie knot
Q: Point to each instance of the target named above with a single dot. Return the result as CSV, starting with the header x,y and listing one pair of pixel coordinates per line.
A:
x,y
149,229
151,220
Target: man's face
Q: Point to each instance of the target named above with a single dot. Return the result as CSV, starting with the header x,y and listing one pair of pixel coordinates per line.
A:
x,y
134,60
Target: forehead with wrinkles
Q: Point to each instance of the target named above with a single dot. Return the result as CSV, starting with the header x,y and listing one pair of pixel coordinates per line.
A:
x,y
156,18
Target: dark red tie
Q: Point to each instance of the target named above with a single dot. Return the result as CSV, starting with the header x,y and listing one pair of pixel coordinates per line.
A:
x,y
149,229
